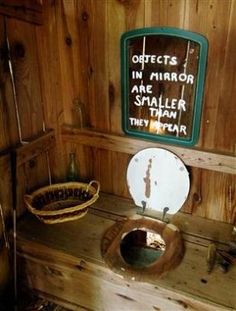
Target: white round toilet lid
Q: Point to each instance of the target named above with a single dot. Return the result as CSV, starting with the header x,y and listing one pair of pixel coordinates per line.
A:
x,y
156,179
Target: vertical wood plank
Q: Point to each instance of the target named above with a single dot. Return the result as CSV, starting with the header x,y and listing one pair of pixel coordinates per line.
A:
x,y
98,83
4,97
5,186
102,166
226,112
93,40
121,16
165,13
50,81
119,169
194,199
69,57
220,203
25,66
214,26
9,134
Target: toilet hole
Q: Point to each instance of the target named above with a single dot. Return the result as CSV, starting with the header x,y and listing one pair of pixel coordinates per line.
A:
x,y
141,248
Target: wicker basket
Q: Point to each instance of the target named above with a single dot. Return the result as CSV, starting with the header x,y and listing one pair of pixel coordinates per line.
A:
x,y
62,202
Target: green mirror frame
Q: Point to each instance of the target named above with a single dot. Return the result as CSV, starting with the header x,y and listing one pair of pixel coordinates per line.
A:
x,y
169,39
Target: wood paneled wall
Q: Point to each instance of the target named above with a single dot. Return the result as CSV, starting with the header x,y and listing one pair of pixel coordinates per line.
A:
x,y
75,55
80,47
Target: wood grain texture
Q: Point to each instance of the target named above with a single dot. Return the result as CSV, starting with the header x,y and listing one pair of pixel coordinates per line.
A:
x,y
24,57
36,147
121,143
53,256
169,260
4,79
5,187
85,64
26,10
8,133
104,295
50,75
165,13
201,200
26,74
75,54
75,287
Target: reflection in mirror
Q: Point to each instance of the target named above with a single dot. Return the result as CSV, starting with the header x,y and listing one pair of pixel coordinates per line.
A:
x,y
163,84
141,248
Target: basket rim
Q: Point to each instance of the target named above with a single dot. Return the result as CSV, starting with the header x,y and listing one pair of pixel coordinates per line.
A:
x,y
28,198
59,185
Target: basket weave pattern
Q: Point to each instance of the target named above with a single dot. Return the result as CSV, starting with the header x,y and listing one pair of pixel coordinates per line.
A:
x,y
62,202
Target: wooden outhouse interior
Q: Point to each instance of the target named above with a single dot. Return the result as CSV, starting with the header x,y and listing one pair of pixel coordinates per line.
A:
x,y
64,56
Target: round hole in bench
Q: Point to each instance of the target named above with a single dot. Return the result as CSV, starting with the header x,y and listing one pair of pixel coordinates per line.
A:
x,y
141,248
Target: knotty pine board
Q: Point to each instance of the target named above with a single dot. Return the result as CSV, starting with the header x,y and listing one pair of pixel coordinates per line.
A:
x,y
79,44
58,259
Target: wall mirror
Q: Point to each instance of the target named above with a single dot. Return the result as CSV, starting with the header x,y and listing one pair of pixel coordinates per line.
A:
x,y
162,80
